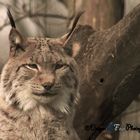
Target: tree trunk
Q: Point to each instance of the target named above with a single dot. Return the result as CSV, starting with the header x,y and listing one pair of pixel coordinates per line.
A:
x,y
102,14
109,64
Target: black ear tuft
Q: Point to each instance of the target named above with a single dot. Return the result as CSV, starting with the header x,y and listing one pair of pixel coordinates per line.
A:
x,y
12,22
17,42
75,23
64,39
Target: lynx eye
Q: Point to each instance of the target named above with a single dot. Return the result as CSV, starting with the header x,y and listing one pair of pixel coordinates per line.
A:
x,y
31,66
59,66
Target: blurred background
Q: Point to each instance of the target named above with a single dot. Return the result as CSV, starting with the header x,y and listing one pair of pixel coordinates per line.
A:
x,y
53,18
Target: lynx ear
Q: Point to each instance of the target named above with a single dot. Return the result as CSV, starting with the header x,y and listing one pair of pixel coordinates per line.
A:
x,y
15,38
74,24
63,40
74,49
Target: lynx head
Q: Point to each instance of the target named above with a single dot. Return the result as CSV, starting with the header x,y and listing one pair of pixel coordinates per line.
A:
x,y
40,71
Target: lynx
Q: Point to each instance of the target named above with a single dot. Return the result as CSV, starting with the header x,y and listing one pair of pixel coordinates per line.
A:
x,y
39,88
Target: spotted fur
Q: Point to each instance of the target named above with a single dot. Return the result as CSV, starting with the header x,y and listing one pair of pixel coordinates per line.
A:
x,y
39,88
19,83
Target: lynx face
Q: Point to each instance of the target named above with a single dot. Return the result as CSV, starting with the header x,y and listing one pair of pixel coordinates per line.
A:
x,y
40,72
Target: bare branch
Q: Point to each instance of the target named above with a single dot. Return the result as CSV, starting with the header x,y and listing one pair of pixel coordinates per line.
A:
x,y
37,15
4,4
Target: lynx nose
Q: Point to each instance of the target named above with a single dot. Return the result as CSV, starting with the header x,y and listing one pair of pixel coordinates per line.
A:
x,y
48,86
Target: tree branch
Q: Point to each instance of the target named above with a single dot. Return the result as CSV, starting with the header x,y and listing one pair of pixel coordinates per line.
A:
x,y
34,15
109,64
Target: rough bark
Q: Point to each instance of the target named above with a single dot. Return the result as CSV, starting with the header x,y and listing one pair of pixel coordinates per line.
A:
x,y
109,64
